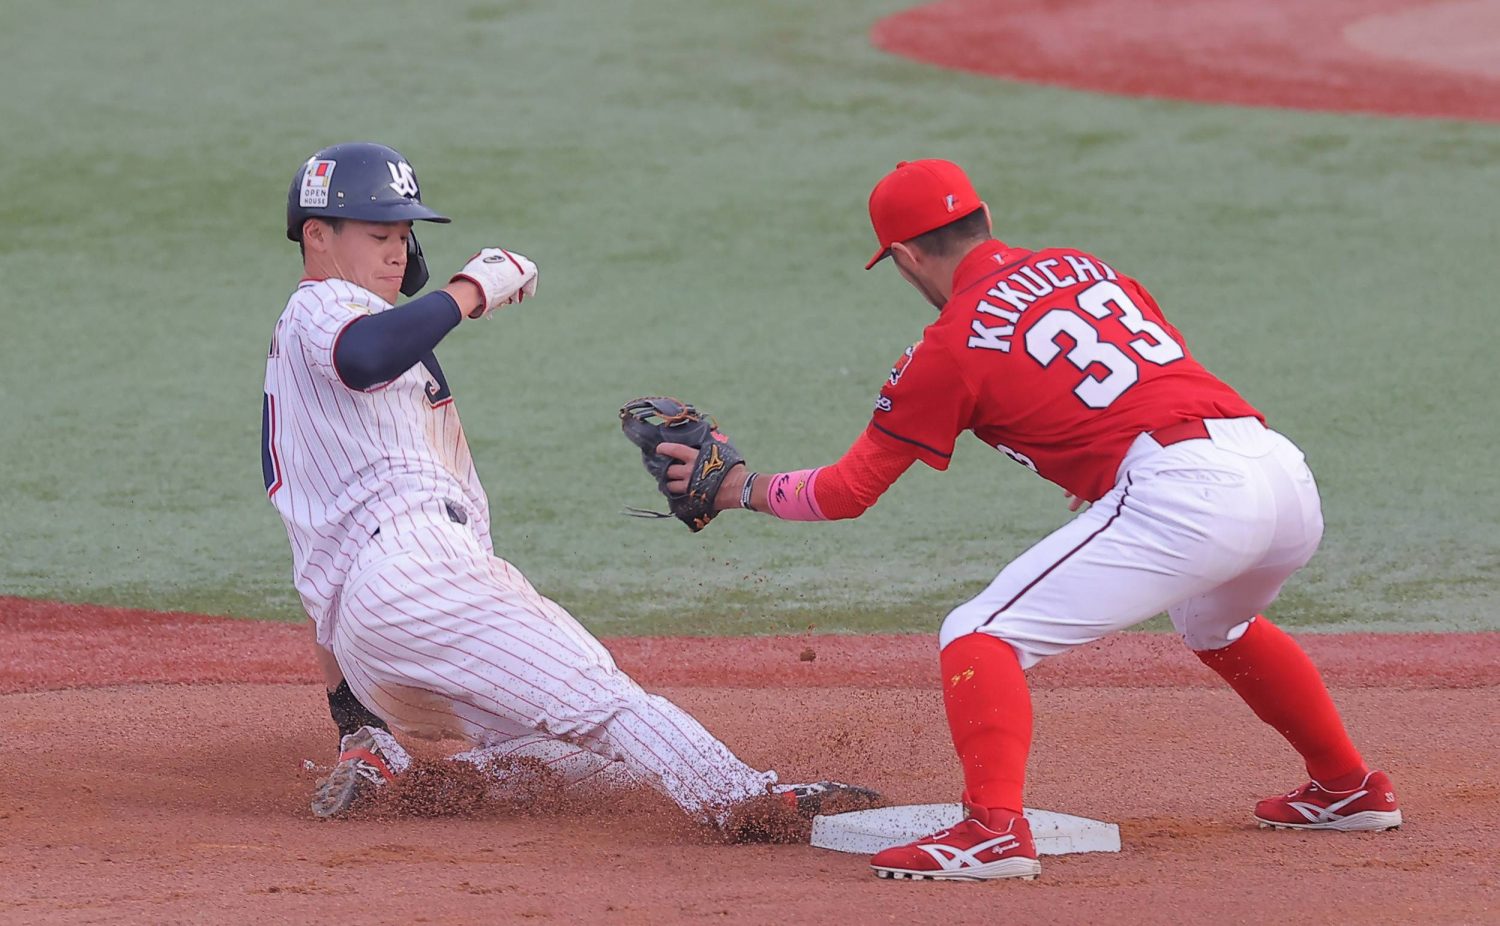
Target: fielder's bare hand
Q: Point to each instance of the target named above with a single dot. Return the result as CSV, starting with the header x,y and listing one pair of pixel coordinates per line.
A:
x,y
681,472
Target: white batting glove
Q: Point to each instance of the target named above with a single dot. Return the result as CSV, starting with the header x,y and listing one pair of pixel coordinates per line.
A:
x,y
503,277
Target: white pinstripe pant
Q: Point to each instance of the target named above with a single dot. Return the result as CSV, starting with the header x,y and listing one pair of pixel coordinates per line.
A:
x,y
440,638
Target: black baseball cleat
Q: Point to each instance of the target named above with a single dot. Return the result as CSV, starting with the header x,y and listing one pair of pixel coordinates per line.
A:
x,y
366,761
784,814
827,797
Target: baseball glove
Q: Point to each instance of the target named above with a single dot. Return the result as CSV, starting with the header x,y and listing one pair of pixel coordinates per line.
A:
x,y
652,420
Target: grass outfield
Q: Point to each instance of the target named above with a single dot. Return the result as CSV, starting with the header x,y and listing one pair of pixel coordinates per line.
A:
x,y
692,178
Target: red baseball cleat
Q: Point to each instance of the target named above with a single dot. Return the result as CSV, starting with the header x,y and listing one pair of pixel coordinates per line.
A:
x,y
986,845
1371,806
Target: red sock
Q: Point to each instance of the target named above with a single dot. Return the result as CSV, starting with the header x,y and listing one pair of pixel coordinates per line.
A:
x,y
1274,676
989,713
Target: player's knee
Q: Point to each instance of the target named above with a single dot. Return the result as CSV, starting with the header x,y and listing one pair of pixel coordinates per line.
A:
x,y
590,722
961,621
1203,636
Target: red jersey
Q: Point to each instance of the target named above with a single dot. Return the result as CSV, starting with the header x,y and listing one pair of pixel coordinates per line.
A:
x,y
1053,359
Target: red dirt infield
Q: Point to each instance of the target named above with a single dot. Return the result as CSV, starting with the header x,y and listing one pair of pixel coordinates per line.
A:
x,y
1390,57
153,772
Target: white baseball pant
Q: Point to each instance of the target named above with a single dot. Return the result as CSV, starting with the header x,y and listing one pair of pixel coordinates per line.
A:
x,y
1206,530
440,638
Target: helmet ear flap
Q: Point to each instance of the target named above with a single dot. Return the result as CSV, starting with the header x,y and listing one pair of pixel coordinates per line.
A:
x,y
416,268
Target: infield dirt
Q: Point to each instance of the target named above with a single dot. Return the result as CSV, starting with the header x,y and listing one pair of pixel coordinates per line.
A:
x,y
173,790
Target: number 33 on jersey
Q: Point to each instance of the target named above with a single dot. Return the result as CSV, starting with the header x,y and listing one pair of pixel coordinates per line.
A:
x,y
1052,358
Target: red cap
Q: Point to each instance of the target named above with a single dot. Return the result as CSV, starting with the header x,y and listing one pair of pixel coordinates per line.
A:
x,y
917,197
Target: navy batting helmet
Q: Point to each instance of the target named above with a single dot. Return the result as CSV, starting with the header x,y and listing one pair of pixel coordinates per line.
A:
x,y
364,181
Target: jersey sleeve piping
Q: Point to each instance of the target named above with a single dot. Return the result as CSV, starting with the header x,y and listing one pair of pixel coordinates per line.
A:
x,y
916,443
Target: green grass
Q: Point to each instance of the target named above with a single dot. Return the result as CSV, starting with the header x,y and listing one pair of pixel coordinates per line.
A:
x,y
691,178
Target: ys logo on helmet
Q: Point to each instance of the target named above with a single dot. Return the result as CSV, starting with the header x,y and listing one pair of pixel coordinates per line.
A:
x,y
403,180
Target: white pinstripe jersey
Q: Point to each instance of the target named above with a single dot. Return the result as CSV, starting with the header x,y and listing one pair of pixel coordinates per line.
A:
x,y
339,462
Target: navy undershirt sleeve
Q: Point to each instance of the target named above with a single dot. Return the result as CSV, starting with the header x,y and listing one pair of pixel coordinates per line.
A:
x,y
378,348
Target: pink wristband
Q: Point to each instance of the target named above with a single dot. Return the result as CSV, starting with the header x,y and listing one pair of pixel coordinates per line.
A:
x,y
790,496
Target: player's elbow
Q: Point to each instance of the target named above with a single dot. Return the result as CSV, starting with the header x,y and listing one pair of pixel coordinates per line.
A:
x,y
358,369
847,514
845,506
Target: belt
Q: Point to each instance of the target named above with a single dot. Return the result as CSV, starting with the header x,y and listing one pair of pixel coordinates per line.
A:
x,y
1179,432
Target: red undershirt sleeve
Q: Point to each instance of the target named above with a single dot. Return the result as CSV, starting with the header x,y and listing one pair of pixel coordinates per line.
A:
x,y
847,488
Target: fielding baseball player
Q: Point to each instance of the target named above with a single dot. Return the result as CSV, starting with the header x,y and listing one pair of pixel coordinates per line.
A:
x,y
1068,367
366,461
